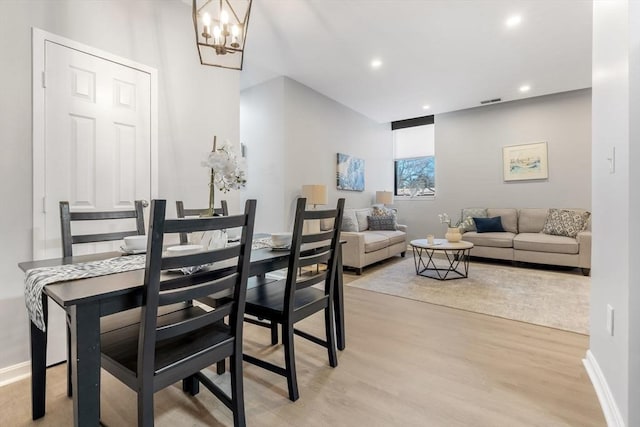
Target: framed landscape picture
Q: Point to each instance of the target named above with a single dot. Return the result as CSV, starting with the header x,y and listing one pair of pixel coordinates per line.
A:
x,y
524,162
350,173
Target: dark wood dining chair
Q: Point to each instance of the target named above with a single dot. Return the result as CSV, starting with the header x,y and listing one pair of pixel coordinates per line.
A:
x,y
182,212
223,210
165,348
69,239
287,301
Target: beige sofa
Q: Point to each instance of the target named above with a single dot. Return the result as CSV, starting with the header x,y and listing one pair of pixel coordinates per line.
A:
x,y
365,246
524,241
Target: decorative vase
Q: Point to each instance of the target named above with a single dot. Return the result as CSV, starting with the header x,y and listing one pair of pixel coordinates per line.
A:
x,y
214,239
453,235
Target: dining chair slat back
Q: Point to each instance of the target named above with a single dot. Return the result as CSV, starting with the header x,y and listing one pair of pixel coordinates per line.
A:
x,y
292,299
321,248
182,212
67,218
165,348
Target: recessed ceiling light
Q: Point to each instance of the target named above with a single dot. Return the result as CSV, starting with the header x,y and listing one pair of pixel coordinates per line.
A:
x,y
426,107
525,88
376,63
513,21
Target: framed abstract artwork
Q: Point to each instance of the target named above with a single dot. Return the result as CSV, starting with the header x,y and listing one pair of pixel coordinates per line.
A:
x,y
525,162
350,173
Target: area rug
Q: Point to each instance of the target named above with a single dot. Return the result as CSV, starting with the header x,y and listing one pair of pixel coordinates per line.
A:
x,y
557,299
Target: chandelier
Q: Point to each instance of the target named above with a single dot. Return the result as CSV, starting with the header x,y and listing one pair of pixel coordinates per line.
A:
x,y
221,30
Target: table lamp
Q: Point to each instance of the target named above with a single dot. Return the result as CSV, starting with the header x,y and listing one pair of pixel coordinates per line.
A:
x,y
384,197
316,194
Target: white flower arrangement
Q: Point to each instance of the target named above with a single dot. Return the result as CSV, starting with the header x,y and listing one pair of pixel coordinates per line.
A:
x,y
228,171
445,219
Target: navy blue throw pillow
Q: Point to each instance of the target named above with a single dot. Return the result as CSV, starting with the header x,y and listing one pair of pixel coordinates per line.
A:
x,y
487,225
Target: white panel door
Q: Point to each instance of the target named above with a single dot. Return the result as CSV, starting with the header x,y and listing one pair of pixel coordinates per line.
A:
x,y
97,143
97,152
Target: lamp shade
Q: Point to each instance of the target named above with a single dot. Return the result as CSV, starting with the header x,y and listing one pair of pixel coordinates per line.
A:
x,y
384,197
315,194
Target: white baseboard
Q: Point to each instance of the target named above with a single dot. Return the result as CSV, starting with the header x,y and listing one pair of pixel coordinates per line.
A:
x,y
609,407
14,373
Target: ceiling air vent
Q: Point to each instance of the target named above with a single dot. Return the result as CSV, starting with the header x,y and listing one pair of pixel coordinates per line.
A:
x,y
490,101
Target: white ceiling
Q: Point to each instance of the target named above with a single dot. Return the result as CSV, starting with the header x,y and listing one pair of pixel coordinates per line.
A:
x,y
449,54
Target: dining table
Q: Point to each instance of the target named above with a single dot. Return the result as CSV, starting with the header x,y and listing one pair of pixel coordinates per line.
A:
x,y
87,300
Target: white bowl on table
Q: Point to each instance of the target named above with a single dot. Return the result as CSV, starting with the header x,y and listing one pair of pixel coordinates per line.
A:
x,y
135,243
281,240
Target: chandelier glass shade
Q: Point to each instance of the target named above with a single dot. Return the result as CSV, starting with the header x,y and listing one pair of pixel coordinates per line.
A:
x,y
221,31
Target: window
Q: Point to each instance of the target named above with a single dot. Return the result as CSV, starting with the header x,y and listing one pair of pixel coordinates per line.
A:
x,y
414,160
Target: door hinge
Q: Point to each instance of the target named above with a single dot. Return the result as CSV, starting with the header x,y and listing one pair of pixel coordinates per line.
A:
x,y
44,204
44,79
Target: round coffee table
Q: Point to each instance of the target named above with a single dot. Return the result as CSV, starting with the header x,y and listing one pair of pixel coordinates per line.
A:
x,y
456,254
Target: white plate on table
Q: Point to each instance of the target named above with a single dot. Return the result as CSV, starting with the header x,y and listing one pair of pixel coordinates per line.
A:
x,y
280,248
128,251
184,249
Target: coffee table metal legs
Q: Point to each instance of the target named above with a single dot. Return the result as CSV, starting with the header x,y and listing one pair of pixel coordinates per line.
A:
x,y
457,260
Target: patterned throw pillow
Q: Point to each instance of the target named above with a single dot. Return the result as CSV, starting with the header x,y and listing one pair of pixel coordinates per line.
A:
x,y
382,222
382,211
473,213
565,222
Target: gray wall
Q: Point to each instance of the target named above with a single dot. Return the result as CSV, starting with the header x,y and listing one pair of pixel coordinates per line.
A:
x,y
294,133
469,159
195,102
615,277
634,206
262,132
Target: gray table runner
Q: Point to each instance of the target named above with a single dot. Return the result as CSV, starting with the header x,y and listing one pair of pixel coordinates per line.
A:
x,y
37,278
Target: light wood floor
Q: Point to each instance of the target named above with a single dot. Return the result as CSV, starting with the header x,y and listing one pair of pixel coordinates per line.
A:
x,y
407,363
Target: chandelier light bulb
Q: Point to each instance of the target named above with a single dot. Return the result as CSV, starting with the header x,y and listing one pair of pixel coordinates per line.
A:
x,y
206,19
206,30
235,31
224,17
216,34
